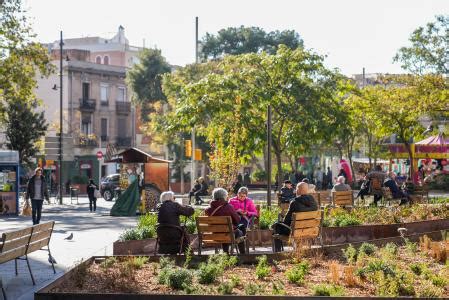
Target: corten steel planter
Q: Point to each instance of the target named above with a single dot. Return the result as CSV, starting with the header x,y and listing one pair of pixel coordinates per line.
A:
x,y
353,234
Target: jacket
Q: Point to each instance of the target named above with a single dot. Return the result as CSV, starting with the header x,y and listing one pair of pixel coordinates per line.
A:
x,y
300,204
169,212
226,210
246,205
287,194
341,187
91,190
30,188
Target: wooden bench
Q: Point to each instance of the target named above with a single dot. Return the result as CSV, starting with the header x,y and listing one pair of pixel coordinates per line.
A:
x,y
343,199
304,226
217,230
325,198
17,244
316,197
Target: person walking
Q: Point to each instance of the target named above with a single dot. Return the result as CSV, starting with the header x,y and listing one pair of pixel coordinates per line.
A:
x,y
91,188
37,191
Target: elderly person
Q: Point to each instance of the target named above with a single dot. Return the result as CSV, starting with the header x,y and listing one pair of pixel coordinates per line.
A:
x,y
245,207
172,237
219,206
310,187
341,186
303,202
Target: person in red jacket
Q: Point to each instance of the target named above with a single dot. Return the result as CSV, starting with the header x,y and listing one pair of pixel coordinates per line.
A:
x,y
219,206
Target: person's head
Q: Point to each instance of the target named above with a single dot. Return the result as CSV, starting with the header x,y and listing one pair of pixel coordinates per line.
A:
x,y
167,196
91,181
242,193
288,184
341,179
38,171
305,180
200,179
219,194
392,175
378,168
302,188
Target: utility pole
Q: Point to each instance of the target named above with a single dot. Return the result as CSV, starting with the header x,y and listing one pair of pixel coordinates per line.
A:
x,y
193,171
269,155
61,44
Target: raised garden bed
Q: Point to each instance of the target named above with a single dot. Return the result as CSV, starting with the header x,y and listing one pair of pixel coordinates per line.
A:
x,y
416,270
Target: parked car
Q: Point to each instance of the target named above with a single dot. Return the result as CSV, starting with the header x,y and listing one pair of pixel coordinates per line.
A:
x,y
108,186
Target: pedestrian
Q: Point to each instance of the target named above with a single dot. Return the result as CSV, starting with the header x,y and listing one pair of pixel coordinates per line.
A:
x,y
37,191
91,188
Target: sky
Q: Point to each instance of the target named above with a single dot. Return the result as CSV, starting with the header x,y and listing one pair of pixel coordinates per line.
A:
x,y
352,33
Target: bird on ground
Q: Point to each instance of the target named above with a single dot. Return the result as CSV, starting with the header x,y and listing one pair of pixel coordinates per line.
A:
x,y
51,259
70,237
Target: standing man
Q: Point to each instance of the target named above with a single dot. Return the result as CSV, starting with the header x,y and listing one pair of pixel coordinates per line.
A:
x,y
37,191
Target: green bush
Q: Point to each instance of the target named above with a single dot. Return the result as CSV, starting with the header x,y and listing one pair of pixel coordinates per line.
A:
x,y
297,273
344,220
262,268
191,221
259,175
208,273
418,268
225,288
163,275
254,289
166,262
350,253
179,278
367,248
428,290
268,216
278,288
136,262
108,262
148,220
137,234
329,290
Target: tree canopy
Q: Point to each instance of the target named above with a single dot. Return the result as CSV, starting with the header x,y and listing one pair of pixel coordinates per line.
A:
x,y
429,49
241,40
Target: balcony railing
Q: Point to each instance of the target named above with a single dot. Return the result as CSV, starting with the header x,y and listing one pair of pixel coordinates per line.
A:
x,y
123,142
87,142
104,138
88,104
123,107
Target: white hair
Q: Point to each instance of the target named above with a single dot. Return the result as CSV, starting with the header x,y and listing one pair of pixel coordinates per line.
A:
x,y
219,194
341,179
167,196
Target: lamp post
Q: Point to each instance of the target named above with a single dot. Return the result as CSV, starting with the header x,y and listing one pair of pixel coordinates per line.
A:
x,y
269,155
60,119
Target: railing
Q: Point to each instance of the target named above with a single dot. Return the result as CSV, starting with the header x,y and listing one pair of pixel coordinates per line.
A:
x,y
122,107
104,138
123,142
86,142
88,104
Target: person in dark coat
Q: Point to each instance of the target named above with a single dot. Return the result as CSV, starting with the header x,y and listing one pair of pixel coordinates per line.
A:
x,y
91,195
37,191
172,240
202,191
303,202
196,187
390,182
287,192
219,206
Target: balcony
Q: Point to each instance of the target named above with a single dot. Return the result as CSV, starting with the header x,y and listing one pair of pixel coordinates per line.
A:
x,y
104,138
123,107
88,105
89,140
123,142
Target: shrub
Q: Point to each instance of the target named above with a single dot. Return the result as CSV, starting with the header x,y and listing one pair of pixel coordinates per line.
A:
x,y
136,262
329,290
208,273
427,290
166,262
350,254
253,289
262,268
225,288
268,216
438,280
391,248
163,275
179,278
138,234
393,286
148,220
259,175
297,273
367,248
278,288
418,268
190,221
108,262
346,220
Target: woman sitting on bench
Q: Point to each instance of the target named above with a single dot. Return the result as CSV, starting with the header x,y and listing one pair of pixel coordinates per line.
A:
x,y
245,207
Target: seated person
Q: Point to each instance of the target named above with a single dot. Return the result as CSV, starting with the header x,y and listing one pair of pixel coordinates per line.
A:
x,y
287,192
311,187
341,186
364,189
378,174
196,187
245,207
303,202
219,206
408,186
202,191
395,191
168,214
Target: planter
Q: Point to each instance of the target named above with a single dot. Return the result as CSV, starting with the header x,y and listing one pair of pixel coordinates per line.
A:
x,y
143,247
353,234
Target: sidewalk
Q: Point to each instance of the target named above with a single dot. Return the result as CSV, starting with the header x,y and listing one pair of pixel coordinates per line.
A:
x,y
93,234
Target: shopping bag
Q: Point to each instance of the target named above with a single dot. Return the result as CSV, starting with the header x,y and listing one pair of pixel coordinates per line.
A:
x,y
26,208
97,194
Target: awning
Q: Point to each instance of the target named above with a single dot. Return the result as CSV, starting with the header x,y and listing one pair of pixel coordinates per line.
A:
x,y
134,155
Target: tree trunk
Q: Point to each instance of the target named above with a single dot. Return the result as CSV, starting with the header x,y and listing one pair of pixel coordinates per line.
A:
x,y
279,165
370,151
410,157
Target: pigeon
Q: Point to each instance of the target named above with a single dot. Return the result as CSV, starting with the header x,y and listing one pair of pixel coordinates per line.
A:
x,y
51,259
70,237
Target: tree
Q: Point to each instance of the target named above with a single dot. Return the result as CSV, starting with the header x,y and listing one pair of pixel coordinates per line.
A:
x,y
24,128
145,80
429,49
240,40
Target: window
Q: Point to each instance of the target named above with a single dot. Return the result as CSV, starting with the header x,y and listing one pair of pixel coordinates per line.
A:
x,y
104,128
121,123
121,94
104,92
86,90
98,59
106,60
86,125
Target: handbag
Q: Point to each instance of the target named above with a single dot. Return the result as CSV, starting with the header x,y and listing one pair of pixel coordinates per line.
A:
x,y
97,193
26,208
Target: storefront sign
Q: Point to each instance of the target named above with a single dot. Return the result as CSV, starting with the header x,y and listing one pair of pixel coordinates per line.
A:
x,y
85,166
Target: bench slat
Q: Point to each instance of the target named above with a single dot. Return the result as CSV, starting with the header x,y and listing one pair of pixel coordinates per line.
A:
x,y
40,236
215,220
10,255
213,228
306,233
43,227
15,243
307,215
38,245
307,224
17,234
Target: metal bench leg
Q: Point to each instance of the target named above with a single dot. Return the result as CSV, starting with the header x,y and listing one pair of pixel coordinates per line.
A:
x,y
29,269
3,290
15,264
51,260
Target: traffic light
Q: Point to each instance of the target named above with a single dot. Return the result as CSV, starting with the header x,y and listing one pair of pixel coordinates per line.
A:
x,y
188,148
198,154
